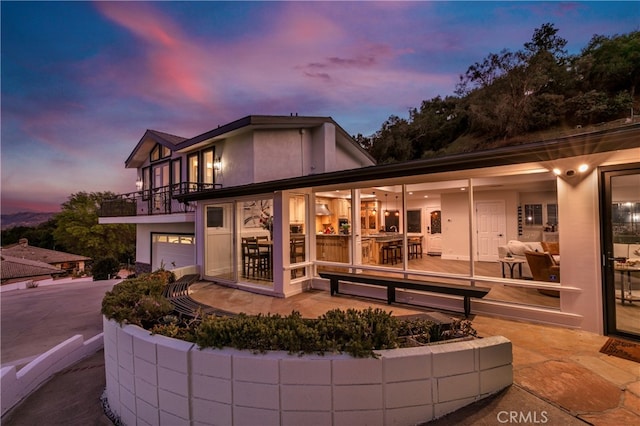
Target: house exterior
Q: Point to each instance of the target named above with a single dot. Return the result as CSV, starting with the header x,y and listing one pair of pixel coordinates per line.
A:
x,y
63,262
321,203
246,152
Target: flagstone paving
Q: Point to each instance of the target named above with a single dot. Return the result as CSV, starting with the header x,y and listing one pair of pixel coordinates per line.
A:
x,y
559,365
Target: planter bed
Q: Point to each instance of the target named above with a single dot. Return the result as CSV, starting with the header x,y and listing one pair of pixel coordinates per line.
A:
x,y
153,379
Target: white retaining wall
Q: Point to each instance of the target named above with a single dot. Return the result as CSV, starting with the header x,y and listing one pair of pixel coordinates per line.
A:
x,y
157,380
16,385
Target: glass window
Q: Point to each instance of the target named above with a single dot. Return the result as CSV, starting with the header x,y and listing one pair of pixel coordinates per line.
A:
x,y
552,214
255,241
414,221
176,171
192,170
159,152
215,217
155,153
297,240
533,214
207,164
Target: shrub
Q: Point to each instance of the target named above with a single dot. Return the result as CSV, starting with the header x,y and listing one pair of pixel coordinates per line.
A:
x,y
105,268
138,301
356,332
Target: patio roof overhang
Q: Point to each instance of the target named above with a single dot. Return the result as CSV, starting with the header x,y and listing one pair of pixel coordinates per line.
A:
x,y
583,144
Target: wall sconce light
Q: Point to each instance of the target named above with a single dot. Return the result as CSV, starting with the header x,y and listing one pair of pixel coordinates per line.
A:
x,y
217,164
139,184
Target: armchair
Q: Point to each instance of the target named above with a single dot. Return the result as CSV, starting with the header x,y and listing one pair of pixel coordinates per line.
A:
x,y
544,268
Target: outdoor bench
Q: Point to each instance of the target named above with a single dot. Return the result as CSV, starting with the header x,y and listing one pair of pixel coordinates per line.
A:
x,y
178,294
392,283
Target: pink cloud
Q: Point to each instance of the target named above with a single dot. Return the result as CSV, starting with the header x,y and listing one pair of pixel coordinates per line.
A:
x,y
304,50
170,69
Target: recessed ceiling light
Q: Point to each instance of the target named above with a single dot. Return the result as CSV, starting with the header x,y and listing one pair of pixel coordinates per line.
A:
x,y
426,196
583,168
557,171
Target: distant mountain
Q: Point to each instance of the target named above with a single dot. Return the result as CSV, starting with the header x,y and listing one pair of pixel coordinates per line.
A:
x,y
29,219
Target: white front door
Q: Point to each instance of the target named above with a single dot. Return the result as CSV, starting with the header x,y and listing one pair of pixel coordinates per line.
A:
x,y
491,227
434,231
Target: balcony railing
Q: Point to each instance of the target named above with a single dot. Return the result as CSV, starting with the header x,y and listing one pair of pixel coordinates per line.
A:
x,y
153,201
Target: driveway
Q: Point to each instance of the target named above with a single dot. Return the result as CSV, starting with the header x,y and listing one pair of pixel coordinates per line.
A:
x,y
35,320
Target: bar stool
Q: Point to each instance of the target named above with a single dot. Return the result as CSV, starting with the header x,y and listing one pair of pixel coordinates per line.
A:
x,y
391,253
386,250
415,248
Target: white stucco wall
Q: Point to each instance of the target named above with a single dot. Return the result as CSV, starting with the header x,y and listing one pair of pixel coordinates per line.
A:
x,y
579,216
153,379
237,160
280,154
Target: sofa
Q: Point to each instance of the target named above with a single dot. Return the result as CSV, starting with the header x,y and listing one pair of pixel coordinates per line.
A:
x,y
517,249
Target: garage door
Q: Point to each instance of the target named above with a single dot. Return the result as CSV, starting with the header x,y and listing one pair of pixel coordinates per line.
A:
x,y
172,251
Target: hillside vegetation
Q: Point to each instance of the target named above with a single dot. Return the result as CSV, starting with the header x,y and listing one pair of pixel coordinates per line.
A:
x,y
515,97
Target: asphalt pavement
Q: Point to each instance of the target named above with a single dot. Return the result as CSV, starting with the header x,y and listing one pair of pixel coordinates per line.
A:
x,y
33,321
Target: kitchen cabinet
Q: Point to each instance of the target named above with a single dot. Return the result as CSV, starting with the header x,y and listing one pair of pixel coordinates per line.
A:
x,y
369,217
297,209
342,208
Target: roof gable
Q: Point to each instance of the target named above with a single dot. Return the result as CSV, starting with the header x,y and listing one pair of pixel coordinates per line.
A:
x,y
148,141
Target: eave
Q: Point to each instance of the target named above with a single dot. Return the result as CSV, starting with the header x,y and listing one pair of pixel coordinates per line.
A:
x,y
554,149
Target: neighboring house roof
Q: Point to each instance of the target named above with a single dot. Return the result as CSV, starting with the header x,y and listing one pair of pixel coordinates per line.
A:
x,y
13,267
150,138
547,150
23,250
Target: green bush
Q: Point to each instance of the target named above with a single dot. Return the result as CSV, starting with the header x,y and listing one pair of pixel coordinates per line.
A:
x,y
138,300
105,268
356,332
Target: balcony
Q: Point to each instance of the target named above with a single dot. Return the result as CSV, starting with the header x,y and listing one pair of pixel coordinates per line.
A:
x,y
154,201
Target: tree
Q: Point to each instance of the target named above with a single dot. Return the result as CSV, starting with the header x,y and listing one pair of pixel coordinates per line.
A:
x,y
507,90
611,65
38,236
391,143
79,231
545,40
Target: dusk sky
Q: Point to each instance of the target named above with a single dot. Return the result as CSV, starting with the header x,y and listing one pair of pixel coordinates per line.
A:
x,y
82,81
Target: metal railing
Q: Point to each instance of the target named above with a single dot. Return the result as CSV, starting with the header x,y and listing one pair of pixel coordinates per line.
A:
x,y
153,201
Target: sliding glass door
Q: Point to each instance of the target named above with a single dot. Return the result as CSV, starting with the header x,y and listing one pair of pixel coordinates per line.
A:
x,y
620,206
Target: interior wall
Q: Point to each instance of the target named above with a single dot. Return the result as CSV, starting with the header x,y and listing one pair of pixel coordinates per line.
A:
x,y
455,226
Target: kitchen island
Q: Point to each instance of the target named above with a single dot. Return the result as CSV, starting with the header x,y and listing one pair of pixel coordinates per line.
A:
x,y
333,247
380,240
